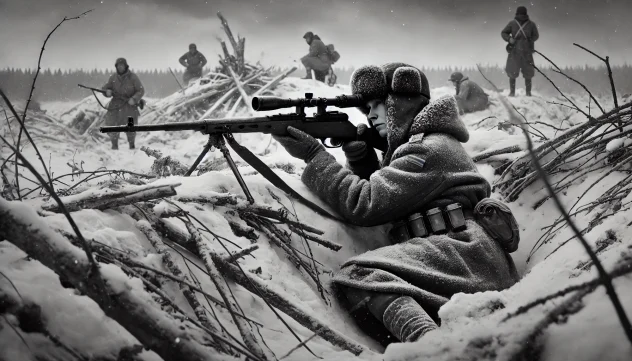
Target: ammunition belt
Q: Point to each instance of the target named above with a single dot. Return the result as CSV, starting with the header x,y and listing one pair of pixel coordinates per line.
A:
x,y
431,222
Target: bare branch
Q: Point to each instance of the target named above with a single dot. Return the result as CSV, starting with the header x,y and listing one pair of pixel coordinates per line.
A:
x,y
604,277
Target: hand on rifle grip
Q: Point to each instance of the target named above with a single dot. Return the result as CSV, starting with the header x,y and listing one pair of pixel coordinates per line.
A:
x,y
108,93
356,150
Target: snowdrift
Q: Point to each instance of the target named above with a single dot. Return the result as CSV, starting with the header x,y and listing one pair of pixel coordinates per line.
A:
x,y
490,325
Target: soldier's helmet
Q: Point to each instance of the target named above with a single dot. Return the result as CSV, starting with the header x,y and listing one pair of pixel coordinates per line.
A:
x,y
308,35
456,76
192,46
121,61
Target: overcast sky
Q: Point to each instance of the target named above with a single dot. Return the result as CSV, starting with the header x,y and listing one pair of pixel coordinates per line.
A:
x,y
154,33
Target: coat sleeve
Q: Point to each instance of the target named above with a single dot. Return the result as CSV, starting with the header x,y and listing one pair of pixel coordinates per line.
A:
x,y
138,87
390,193
183,59
203,60
366,166
506,33
110,84
535,34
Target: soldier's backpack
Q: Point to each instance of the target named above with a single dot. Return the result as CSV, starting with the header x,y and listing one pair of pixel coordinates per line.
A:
x,y
333,54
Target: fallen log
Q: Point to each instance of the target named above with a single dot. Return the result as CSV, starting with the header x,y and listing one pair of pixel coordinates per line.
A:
x,y
118,296
108,198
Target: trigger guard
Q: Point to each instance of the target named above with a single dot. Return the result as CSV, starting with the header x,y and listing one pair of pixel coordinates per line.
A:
x,y
330,146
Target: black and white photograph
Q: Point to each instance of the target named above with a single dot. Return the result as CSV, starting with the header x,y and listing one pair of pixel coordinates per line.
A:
x,y
302,180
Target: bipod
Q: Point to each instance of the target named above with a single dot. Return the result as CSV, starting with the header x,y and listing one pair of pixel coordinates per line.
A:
x,y
217,141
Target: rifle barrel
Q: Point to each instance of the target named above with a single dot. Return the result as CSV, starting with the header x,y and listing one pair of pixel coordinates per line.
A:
x,y
242,125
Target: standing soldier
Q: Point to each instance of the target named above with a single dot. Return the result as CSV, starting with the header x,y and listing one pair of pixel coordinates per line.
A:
x,y
317,58
429,188
521,34
470,97
194,61
127,92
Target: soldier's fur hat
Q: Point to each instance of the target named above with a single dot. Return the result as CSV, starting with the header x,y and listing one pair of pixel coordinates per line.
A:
x,y
521,10
376,82
403,88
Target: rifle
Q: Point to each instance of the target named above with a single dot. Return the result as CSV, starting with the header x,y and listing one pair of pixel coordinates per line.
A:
x,y
140,104
93,89
324,125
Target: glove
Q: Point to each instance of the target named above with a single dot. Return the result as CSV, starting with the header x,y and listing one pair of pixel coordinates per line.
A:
x,y
131,101
300,144
108,93
356,150
512,40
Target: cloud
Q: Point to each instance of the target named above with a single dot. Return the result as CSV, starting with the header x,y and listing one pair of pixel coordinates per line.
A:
x,y
153,34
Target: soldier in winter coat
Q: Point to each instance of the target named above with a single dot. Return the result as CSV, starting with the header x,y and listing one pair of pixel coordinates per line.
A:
x,y
521,34
317,58
194,61
127,91
425,172
470,97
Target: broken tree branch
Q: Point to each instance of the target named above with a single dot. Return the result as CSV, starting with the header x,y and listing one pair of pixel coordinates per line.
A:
x,y
258,287
209,258
131,307
107,198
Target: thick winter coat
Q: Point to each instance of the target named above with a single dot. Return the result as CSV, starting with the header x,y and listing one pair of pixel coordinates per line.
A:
x,y
430,169
470,97
123,86
318,56
521,56
194,63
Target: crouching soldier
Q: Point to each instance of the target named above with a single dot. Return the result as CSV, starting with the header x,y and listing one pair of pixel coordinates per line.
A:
x,y
470,97
317,59
447,235
126,91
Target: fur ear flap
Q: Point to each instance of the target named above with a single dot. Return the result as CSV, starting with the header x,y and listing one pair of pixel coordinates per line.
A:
x,y
406,80
370,82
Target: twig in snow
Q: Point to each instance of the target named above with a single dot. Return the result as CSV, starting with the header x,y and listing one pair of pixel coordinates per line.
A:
x,y
604,277
62,207
299,346
619,271
12,285
607,61
28,102
16,332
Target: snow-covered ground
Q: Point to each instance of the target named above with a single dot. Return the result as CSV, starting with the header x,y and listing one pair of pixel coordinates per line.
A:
x,y
472,326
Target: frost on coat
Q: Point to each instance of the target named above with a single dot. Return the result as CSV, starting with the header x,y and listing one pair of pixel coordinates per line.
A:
x,y
429,269
123,86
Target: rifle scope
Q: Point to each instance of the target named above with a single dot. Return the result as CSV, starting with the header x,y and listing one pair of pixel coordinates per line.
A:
x,y
341,101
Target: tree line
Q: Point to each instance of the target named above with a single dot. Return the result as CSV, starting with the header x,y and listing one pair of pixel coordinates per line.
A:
x,y
61,85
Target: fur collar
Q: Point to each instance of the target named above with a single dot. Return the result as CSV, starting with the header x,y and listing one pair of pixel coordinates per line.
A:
x,y
440,116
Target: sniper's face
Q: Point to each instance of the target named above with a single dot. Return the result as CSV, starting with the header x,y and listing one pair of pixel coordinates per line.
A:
x,y
377,115
192,49
120,68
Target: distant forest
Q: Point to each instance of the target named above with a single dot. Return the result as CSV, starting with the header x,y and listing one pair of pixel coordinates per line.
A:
x,y
58,85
